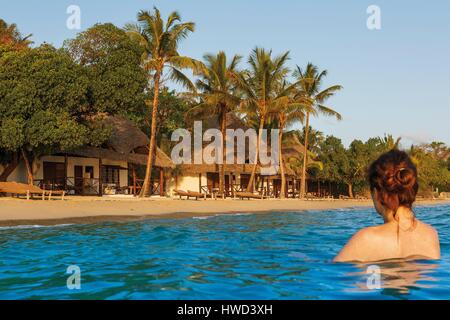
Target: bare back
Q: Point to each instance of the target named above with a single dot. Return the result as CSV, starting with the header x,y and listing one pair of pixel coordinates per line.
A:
x,y
388,241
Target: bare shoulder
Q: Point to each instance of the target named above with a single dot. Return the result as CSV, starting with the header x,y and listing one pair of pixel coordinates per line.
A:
x,y
430,238
428,229
360,245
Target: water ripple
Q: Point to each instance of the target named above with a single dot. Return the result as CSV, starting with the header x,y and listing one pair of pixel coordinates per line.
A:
x,y
243,256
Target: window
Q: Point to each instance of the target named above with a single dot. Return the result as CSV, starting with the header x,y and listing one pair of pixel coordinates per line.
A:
x,y
110,175
54,172
89,171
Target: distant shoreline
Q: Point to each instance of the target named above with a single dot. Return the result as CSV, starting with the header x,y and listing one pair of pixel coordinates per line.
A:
x,y
78,210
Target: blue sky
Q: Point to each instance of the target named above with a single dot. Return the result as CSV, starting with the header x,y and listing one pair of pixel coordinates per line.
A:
x,y
396,80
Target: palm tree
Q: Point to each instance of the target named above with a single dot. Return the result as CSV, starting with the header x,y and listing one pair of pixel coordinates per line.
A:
x,y
10,35
313,97
259,86
218,95
286,112
388,142
315,138
159,42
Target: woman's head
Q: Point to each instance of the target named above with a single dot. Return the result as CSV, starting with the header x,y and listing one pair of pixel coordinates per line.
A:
x,y
393,181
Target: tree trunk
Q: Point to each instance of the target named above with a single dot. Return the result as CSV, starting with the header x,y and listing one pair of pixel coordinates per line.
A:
x,y
350,190
305,159
283,176
146,188
258,143
223,120
10,167
29,167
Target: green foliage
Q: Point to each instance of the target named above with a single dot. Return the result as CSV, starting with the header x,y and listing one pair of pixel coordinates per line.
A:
x,y
335,160
160,40
41,78
315,138
216,87
432,166
350,165
42,101
111,60
99,133
12,135
171,114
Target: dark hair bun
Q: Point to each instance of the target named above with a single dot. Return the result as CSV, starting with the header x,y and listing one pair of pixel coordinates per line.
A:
x,y
394,176
405,177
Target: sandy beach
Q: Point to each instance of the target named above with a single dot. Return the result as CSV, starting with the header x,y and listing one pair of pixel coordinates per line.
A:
x,y
89,210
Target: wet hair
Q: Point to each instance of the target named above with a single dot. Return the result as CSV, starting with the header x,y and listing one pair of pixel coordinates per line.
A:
x,y
394,176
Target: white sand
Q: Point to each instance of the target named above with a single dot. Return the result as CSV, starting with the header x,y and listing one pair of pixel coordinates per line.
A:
x,y
90,209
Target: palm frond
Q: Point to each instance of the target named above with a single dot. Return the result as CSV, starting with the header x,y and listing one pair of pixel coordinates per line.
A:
x,y
329,112
179,77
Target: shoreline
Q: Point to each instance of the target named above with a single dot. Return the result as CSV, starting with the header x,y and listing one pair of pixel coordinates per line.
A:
x,y
78,210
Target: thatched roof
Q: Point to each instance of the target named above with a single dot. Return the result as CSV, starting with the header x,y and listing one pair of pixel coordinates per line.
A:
x,y
294,148
204,168
125,136
232,122
127,143
162,160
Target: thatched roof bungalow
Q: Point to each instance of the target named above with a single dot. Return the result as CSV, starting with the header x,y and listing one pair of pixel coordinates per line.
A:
x,y
205,177
109,169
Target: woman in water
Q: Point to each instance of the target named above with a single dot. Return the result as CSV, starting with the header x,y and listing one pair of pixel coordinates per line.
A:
x,y
393,184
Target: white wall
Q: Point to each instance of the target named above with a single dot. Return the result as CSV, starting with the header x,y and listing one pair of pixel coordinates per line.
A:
x,y
187,182
20,173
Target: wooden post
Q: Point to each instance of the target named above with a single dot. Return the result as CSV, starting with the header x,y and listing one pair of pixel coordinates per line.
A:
x,y
318,187
65,171
199,182
133,168
100,178
294,187
230,185
161,182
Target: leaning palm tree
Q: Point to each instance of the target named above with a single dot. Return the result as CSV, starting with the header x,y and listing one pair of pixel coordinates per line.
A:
x,y
286,112
218,96
159,41
259,86
313,97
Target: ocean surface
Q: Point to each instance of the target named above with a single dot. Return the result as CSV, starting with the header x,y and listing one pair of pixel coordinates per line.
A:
x,y
242,256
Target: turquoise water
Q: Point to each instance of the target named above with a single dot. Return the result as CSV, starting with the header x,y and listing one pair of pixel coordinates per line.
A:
x,y
264,256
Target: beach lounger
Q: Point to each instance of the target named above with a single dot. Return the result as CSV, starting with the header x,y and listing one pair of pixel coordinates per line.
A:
x,y
248,195
189,194
310,196
29,191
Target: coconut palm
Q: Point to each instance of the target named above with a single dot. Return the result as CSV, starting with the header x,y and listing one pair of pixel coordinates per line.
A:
x,y
259,86
218,96
286,112
10,35
159,41
388,142
310,94
315,138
